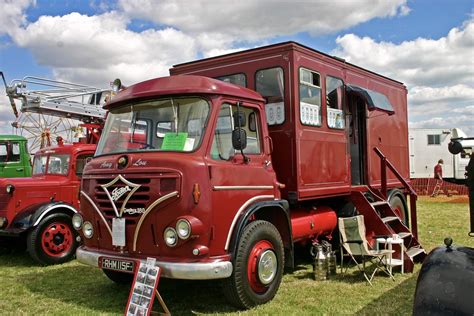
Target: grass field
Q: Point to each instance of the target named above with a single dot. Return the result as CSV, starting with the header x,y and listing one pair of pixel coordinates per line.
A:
x,y
73,288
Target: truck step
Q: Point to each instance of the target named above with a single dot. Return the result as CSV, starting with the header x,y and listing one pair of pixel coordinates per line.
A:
x,y
414,251
404,234
378,203
389,219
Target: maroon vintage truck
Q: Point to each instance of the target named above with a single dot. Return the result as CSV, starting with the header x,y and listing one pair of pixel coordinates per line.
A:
x,y
219,178
38,210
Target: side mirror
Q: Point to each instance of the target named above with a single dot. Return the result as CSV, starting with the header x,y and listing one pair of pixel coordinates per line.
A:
x,y
239,139
239,116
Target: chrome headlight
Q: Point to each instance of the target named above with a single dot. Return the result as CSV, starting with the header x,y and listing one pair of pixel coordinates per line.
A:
x,y
10,188
87,230
170,236
77,221
183,228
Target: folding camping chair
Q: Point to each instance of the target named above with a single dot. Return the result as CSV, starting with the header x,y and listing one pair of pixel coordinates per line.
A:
x,y
353,240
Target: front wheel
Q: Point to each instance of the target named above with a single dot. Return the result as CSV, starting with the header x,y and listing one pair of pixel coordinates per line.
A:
x,y
258,266
53,241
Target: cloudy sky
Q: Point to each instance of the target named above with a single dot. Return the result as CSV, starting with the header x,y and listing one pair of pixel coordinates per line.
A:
x,y
427,44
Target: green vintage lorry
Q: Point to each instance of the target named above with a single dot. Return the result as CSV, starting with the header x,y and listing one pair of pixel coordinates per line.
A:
x,y
14,157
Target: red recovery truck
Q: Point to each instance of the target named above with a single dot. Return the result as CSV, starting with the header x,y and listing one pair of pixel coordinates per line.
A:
x,y
219,178
37,210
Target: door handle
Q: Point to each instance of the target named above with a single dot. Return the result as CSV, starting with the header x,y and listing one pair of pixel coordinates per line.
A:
x,y
19,169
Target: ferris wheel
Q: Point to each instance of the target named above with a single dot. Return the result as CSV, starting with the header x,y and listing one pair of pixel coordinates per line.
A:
x,y
49,109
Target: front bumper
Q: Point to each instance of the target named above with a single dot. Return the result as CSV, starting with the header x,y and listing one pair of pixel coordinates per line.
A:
x,y
171,270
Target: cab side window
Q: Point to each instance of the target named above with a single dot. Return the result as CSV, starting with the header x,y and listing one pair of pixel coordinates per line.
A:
x,y
222,148
81,162
3,152
334,102
15,152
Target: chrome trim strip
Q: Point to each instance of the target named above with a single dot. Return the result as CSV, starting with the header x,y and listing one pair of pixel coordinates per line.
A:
x,y
242,187
52,208
241,209
172,270
98,211
149,208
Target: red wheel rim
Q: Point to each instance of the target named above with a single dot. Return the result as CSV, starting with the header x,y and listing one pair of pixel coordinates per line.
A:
x,y
57,239
260,248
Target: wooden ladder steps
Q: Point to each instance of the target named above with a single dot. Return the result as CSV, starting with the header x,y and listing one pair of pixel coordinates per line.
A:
x,y
378,203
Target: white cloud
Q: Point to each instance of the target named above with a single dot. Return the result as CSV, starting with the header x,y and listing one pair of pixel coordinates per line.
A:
x,y
97,49
439,73
249,20
12,14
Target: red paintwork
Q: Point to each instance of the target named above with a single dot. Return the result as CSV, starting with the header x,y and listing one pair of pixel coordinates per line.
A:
x,y
41,189
57,239
311,163
252,265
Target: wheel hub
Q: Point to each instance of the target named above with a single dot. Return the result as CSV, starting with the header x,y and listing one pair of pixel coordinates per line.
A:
x,y
57,239
262,266
267,267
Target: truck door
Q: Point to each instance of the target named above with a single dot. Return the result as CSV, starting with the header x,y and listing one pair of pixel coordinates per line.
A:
x,y
357,139
234,181
10,160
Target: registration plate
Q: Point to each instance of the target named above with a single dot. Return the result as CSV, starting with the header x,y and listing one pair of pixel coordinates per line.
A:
x,y
117,264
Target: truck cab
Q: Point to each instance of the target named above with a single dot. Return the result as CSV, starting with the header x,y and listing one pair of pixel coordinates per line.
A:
x,y
14,157
37,210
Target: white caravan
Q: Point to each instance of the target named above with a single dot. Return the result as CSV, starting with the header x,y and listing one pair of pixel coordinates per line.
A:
x,y
428,145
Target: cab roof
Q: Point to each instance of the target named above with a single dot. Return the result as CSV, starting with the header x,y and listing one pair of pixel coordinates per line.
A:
x,y
182,85
67,148
12,137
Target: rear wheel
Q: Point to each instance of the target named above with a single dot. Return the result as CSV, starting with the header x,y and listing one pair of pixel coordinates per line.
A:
x,y
399,205
118,277
258,266
53,240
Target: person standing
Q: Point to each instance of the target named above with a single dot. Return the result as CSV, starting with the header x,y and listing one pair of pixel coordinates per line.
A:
x,y
438,170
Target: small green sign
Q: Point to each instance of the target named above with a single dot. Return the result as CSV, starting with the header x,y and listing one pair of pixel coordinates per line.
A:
x,y
174,141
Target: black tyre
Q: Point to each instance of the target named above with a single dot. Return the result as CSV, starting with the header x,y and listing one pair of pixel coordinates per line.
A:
x,y
258,266
398,203
118,277
53,240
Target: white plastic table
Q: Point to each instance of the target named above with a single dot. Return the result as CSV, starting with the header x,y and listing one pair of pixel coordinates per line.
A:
x,y
388,243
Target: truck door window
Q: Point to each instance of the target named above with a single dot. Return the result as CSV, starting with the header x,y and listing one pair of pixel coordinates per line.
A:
x,y
58,164
15,152
222,143
334,102
270,84
310,97
237,79
81,162
3,152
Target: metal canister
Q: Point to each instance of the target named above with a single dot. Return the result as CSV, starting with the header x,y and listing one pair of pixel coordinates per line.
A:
x,y
331,258
320,268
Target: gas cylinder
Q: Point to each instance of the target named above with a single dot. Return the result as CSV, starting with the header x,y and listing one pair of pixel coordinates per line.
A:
x,y
331,258
320,268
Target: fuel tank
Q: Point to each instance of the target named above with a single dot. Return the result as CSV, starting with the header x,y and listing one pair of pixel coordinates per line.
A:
x,y
319,221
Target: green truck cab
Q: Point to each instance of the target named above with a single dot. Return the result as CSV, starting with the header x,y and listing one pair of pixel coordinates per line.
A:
x,y
14,158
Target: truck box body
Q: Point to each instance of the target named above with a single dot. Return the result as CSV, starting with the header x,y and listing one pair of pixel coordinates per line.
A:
x,y
315,161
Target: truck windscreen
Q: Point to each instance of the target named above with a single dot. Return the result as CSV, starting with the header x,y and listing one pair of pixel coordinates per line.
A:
x,y
171,124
